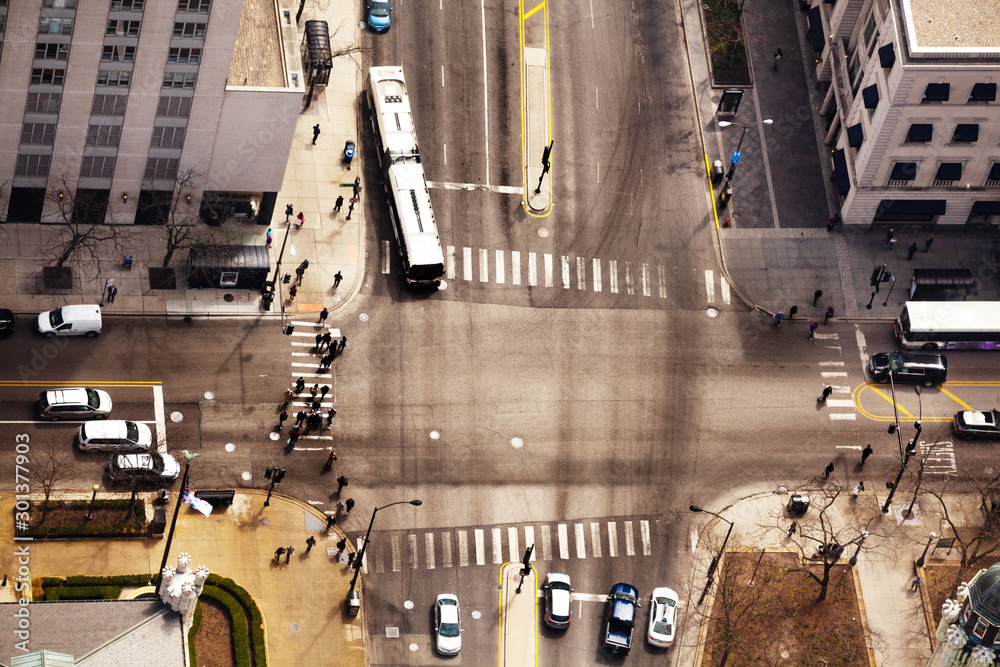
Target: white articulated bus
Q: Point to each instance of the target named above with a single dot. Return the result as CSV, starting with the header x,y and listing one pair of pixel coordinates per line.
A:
x,y
403,177
941,325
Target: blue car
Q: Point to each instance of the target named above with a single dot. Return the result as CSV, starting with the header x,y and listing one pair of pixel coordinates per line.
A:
x,y
379,15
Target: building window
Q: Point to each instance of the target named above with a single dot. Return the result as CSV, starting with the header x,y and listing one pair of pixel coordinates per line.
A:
x,y
106,78
133,5
104,135
179,80
43,134
993,179
44,102
118,54
32,165
200,6
96,166
51,51
123,28
903,173
52,76
177,55
168,137
936,92
982,625
983,92
189,30
965,133
920,133
174,107
948,173
109,105
162,168
59,4
55,26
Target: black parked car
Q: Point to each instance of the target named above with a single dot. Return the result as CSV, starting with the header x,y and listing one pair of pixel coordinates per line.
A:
x,y
977,423
6,323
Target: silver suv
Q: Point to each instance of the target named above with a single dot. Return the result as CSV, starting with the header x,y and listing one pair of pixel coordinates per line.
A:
x,y
74,403
114,435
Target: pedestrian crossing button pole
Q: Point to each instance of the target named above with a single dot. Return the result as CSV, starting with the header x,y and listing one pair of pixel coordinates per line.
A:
x,y
737,153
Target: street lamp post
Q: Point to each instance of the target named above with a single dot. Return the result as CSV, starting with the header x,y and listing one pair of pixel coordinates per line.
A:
x,y
920,561
364,545
854,558
177,510
735,158
90,508
715,559
754,575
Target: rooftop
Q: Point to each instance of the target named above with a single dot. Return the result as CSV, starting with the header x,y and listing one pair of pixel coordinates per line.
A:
x,y
257,55
952,24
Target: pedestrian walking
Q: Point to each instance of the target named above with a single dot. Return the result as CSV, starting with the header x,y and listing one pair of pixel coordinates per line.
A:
x,y
337,205
269,238
324,363
304,265
310,543
293,437
289,212
792,528
778,55
778,316
314,391
288,397
865,453
828,314
826,394
343,343
315,420
827,470
915,584
812,329
330,414
349,505
323,314
112,293
350,559
341,483
327,338
300,384
288,554
292,292
315,133
927,244
323,391
330,460
816,296
911,251
337,277
299,272
340,508
319,341
833,222
300,220
857,489
299,418
278,553
330,521
891,243
889,235
281,419
341,545
792,312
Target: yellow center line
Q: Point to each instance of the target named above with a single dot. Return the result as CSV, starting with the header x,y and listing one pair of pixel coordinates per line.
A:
x,y
955,398
77,383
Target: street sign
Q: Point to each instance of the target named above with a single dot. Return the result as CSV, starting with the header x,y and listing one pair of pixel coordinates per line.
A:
x,y
736,157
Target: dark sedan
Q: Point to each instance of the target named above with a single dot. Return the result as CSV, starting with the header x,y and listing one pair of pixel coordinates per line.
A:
x,y
977,424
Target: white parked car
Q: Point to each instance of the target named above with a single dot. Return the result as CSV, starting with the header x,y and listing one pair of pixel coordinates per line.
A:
x,y
114,435
74,403
662,617
154,468
557,600
447,625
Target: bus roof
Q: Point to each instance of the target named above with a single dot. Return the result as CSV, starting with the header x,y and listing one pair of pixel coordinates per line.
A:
x,y
413,206
392,104
953,316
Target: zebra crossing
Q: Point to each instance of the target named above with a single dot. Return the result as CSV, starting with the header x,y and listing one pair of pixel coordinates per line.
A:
x,y
567,272
832,370
471,547
305,365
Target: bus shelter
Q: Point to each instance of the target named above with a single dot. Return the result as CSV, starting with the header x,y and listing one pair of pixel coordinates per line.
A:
x,y
941,284
317,56
228,267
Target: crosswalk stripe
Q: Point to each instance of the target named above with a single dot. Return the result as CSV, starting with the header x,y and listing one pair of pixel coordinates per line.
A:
x,y
480,547
429,546
596,264
564,260
532,270
515,267
833,374
548,269
499,271
644,532
411,542
662,273
710,285
831,363
629,539
484,266
385,256
613,276
724,284
595,538
395,546
645,280
450,272
612,539
467,263
515,554
629,287
446,549
826,336
463,548
497,547
844,417
581,273
529,539
839,403
563,542
546,543
581,541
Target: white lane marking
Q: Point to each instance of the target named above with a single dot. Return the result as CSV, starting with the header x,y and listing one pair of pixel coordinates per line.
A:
x,y
515,267
385,256
629,287
546,542
844,417
161,421
833,374
613,276
563,542
644,532
395,553
710,284
529,539
486,92
440,2
581,541
512,549
532,269
629,539
662,275
450,271
595,538
484,265
463,548
548,269
429,546
826,336
446,549
471,187
497,547
467,263
565,271
581,273
645,280
724,285
411,541
480,547
499,271
831,363
839,403
612,538
444,148
596,266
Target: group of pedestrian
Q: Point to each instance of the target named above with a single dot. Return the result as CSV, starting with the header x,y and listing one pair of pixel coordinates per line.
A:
x,y
313,419
332,348
286,552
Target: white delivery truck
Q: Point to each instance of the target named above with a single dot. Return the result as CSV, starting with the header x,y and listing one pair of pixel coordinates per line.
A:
x,y
80,320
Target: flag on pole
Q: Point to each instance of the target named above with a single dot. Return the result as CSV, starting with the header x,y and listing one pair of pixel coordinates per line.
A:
x,y
202,506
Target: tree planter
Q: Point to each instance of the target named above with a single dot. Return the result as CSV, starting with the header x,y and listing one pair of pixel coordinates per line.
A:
x,y
162,278
57,279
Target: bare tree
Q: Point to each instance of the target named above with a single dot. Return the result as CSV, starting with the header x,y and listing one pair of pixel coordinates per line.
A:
x,y
178,217
52,465
982,544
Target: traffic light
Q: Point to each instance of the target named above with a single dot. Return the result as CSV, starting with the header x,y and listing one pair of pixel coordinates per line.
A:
x,y
876,274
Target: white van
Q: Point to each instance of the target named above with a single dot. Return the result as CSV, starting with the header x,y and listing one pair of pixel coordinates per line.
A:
x,y
114,435
82,320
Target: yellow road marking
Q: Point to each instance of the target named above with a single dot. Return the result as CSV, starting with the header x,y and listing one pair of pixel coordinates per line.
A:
x,y
75,383
955,398
540,5
888,399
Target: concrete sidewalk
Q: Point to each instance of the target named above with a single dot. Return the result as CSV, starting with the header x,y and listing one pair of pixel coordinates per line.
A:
x,y
518,617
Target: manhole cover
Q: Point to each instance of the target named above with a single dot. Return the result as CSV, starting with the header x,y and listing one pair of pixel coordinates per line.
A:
x,y
247,475
737,215
274,435
265,521
414,647
408,604
477,615
176,417
294,627
517,443
228,298
435,435
391,632
363,317
230,447
336,298
209,396
443,285
712,312
543,232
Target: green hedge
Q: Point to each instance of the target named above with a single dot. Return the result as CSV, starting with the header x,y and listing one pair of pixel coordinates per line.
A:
x,y
113,580
256,619
195,624
82,593
135,528
241,647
